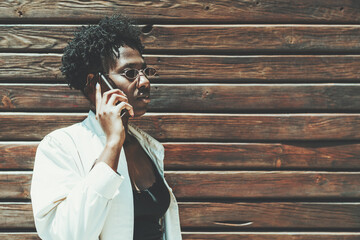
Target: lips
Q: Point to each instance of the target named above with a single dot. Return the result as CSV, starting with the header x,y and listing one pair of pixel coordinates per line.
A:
x,y
144,98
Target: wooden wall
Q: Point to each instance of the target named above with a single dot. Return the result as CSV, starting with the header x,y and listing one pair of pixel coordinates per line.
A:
x,y
257,105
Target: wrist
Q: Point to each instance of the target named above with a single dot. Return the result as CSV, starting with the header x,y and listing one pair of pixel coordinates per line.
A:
x,y
114,143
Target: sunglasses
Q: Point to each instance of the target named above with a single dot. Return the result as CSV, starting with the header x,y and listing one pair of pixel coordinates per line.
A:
x,y
132,73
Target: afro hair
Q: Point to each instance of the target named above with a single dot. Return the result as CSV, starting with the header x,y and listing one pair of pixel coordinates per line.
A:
x,y
95,48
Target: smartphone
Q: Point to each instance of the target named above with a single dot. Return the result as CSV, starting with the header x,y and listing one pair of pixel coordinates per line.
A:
x,y
107,83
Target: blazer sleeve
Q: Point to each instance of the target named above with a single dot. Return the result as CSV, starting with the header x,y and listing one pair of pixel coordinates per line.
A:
x,y
68,204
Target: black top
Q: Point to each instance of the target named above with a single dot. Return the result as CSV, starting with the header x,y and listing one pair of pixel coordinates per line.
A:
x,y
150,206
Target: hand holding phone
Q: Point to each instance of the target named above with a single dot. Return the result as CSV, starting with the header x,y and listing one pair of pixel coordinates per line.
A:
x,y
107,83
108,110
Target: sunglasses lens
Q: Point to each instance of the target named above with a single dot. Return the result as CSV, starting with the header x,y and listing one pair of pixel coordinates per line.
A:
x,y
132,73
150,72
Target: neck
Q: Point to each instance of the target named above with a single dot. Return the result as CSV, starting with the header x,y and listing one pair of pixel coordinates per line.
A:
x,y
125,121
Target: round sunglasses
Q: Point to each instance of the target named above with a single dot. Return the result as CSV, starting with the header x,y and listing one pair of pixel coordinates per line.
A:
x,y
133,73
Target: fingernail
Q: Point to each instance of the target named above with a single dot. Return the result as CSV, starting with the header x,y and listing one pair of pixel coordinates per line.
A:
x,y
97,85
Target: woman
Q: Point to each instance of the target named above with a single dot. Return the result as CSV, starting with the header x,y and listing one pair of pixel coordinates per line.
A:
x,y
103,178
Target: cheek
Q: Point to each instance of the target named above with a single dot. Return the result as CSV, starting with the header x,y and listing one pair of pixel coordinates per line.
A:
x,y
130,91
132,86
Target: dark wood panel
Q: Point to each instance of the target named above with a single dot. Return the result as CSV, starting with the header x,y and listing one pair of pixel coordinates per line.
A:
x,y
253,38
42,97
199,127
269,236
259,184
197,68
229,236
16,215
235,156
271,215
19,236
34,124
195,97
36,37
279,215
230,184
17,155
234,38
275,11
261,155
15,185
266,67
30,66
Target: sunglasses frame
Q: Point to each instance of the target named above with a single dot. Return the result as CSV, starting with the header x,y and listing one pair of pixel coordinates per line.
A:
x,y
141,70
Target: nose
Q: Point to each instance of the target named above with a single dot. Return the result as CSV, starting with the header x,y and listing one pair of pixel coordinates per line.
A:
x,y
143,81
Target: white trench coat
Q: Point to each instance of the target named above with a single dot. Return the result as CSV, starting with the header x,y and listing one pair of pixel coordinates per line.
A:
x,y
72,202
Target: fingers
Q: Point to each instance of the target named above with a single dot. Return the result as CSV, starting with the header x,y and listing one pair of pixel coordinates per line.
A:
x,y
109,99
115,98
98,98
107,95
125,105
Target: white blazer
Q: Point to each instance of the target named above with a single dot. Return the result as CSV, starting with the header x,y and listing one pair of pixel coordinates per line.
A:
x,y
71,201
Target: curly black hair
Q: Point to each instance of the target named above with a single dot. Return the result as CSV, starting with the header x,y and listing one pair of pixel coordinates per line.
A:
x,y
96,47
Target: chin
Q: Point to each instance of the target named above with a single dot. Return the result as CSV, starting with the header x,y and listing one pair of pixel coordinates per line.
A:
x,y
139,113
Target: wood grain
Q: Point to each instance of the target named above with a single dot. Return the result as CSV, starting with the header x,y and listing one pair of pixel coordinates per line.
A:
x,y
252,38
16,215
280,156
199,127
228,236
270,215
32,123
230,184
263,185
17,155
241,152
207,38
269,236
275,11
224,156
42,97
234,216
219,98
200,68
19,236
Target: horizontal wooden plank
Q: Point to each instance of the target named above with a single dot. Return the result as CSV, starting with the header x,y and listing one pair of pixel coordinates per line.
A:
x,y
42,97
15,185
275,11
34,123
40,67
239,215
199,127
19,236
259,184
252,38
312,156
277,215
16,215
209,38
228,236
269,236
230,184
224,156
222,98
17,155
